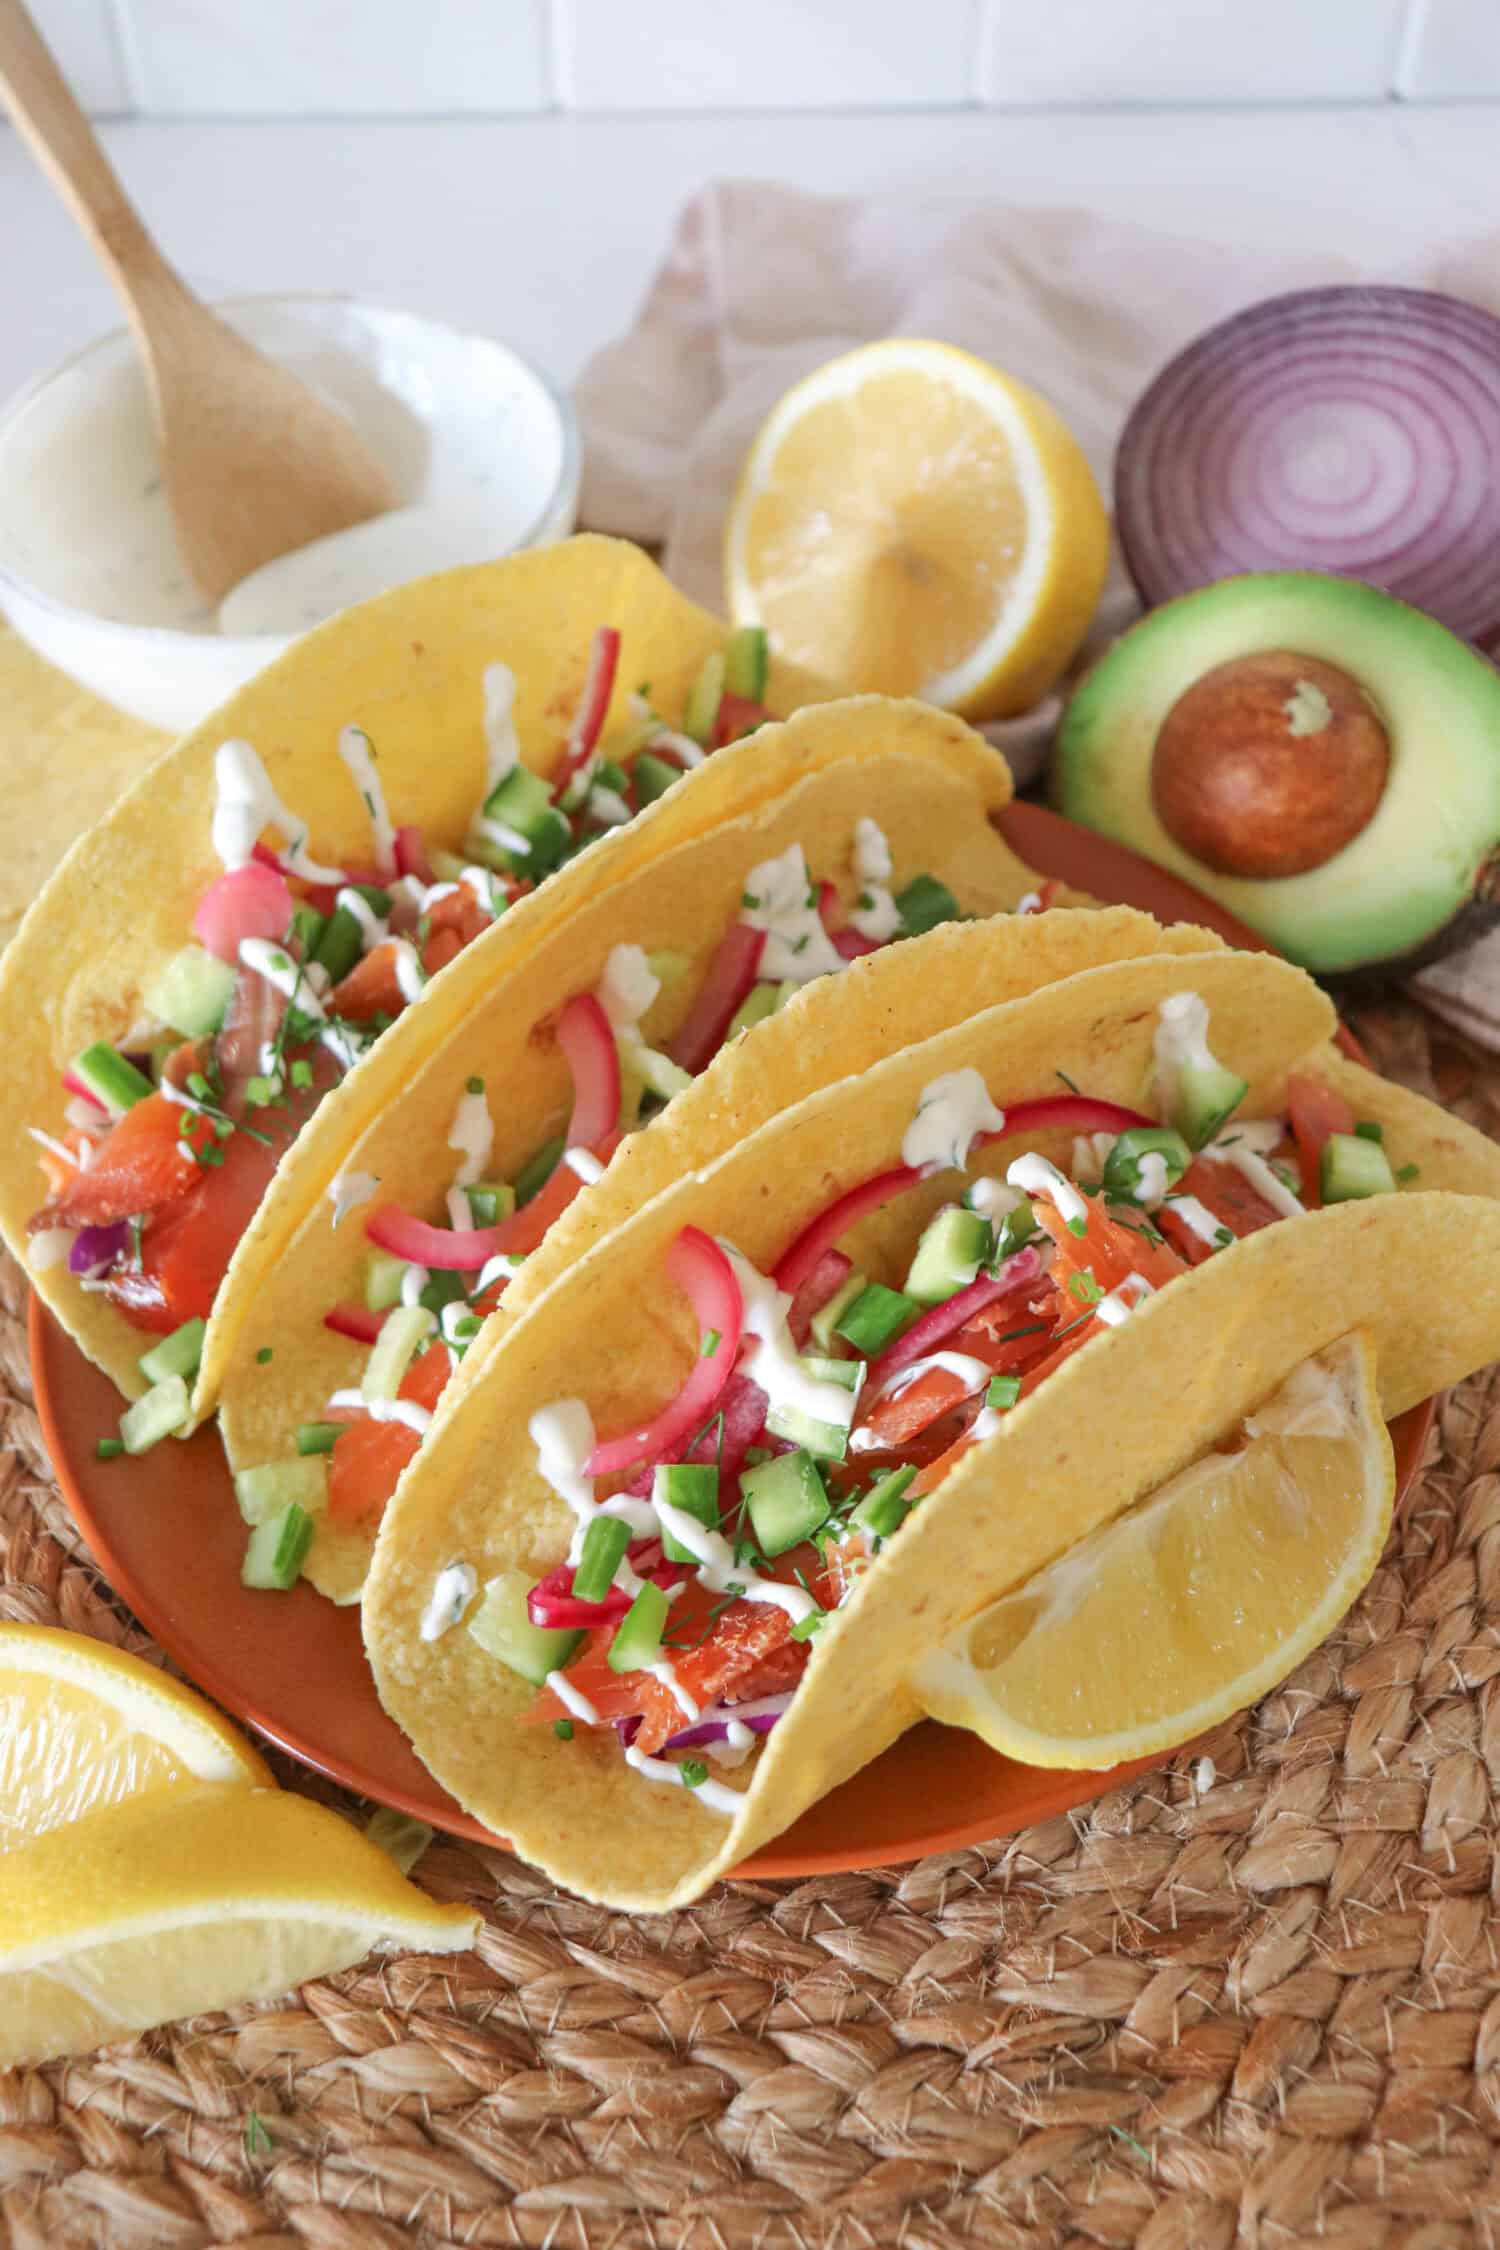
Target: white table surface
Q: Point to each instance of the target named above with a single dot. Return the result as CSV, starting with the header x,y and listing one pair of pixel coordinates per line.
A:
x,y
545,230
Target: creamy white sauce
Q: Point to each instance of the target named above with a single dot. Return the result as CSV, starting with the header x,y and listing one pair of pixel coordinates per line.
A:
x,y
500,832
875,913
1030,902
663,737
358,753
504,1266
372,926
472,1135
785,906
573,1698
411,977
985,1423
972,1373
628,986
1035,1176
563,1435
404,1410
717,1568
483,883
584,1162
452,1591
872,853
276,965
1197,1218
246,805
413,1282
608,807
1151,1178
502,745
992,1199
346,1191
773,1360
1181,1037
1122,1302
663,1671
710,1793
1090,1151
1240,1145
952,1111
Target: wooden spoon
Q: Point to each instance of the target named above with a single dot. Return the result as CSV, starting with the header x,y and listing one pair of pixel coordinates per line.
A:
x,y
252,461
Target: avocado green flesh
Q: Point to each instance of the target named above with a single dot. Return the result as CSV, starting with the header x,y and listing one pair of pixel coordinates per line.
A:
x,y
1414,866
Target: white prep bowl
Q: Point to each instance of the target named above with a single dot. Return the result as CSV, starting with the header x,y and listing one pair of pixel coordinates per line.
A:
x,y
89,569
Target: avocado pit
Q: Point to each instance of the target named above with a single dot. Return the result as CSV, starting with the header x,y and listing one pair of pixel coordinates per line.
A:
x,y
1269,764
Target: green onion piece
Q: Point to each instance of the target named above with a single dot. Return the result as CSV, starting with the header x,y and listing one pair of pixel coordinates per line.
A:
x,y
109,1448
1004,1390
1369,1130
318,1437
694,1773
563,1729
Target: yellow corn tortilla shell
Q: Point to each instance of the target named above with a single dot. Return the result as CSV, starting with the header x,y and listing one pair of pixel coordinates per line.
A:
x,y
408,667
1108,1426
683,902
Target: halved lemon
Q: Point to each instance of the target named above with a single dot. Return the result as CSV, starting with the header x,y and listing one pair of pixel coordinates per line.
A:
x,y
1196,1601
189,1899
83,1726
912,521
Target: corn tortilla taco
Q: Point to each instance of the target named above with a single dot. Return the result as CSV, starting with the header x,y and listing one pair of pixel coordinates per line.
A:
x,y
414,783
660,1575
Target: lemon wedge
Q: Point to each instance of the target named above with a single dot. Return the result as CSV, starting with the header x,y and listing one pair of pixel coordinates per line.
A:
x,y
189,1899
911,521
1196,1601
83,1726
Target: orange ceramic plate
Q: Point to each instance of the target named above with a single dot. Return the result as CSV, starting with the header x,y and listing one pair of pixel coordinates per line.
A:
x,y
166,1532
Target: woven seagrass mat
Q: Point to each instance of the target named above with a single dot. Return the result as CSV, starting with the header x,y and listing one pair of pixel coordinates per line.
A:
x,y
1259,2005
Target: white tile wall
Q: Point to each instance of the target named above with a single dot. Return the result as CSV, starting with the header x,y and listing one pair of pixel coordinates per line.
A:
x,y
254,58
251,58
767,54
1451,47
1188,50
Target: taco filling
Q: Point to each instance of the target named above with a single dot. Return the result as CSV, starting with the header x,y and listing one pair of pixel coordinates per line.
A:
x,y
713,1541
295,968
428,1286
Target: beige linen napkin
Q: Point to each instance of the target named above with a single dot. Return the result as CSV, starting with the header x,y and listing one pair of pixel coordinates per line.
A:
x,y
762,283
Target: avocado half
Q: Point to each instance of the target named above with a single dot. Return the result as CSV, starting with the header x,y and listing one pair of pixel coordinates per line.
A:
x,y
1319,756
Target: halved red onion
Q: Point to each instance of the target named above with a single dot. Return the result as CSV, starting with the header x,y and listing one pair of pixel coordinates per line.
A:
x,y
824,1282
850,944
1353,430
723,991
698,1267
588,720
926,1334
738,1422
588,1045
552,1603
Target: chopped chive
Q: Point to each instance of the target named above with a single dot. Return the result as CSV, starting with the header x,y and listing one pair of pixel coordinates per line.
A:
x,y
318,1437
1084,1287
1223,1236
748,898
108,1447
1004,1390
1407,1172
302,1076
1032,1328
1068,1082
563,1729
1079,1227
475,1086
805,1627
694,1773
710,1344
265,1355
1368,1129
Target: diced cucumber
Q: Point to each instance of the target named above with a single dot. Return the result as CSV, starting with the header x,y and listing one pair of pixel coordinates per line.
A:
x,y
760,1001
876,1317
110,1078
701,714
653,777
786,1501
923,904
538,1170
828,1441
884,1508
604,1545
160,1413
1016,1229
1353,1167
265,1491
644,1070
523,802
177,1354
503,1630
447,866
747,661
384,1274
490,1201
276,1550
191,992
1205,1097
637,1642
693,1487
393,1350
319,1437
955,1243
1129,1176
340,944
825,1320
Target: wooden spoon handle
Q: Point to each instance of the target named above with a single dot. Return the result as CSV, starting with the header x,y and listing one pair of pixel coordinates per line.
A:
x,y
41,103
